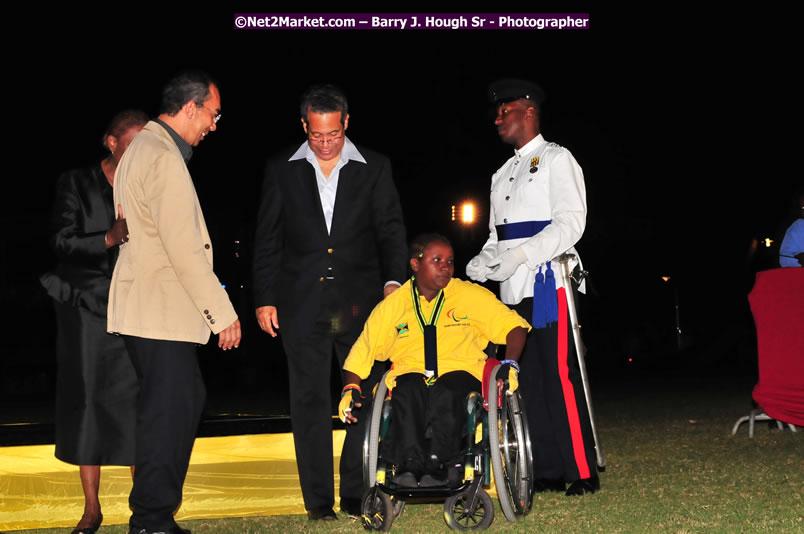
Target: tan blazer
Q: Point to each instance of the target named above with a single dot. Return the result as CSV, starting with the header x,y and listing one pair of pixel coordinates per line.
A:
x,y
163,286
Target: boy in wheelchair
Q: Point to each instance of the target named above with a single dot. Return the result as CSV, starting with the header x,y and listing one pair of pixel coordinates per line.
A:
x,y
434,330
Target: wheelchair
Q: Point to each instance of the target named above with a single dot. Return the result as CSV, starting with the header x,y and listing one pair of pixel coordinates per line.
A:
x,y
497,435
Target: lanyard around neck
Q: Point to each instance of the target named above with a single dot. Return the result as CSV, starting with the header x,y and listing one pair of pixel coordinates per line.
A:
x,y
428,328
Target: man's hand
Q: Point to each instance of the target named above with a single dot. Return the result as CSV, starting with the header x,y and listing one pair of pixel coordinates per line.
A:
x,y
477,269
513,381
118,233
390,288
230,336
350,397
269,322
504,265
509,370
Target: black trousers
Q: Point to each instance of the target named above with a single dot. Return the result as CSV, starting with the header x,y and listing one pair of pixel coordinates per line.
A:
x,y
169,405
415,407
558,417
311,409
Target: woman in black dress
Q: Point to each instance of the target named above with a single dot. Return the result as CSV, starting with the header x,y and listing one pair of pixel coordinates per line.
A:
x,y
96,387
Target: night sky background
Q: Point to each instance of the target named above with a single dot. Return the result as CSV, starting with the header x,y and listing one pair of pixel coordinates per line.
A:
x,y
676,118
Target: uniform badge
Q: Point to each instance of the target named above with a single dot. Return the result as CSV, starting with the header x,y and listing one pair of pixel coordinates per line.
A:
x,y
534,164
402,329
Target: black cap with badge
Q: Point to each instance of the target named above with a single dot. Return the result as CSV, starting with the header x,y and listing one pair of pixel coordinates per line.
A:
x,y
510,89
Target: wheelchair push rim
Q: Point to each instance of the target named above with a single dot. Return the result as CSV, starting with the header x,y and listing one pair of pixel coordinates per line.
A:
x,y
511,457
371,438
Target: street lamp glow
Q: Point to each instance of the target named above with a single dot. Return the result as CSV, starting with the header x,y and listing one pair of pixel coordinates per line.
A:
x,y
768,242
468,213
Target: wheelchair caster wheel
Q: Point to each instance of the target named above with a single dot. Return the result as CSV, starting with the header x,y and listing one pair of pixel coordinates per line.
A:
x,y
461,514
377,510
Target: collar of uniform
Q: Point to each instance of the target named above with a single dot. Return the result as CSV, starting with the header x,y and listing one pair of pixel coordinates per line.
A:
x,y
530,146
349,153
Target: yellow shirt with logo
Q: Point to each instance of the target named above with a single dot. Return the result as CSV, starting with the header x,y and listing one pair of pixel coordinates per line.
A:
x,y
470,318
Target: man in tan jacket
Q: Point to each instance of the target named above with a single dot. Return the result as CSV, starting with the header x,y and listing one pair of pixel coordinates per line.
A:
x,y
164,298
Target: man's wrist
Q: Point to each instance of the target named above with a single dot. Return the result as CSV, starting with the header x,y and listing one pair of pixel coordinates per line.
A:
x,y
351,387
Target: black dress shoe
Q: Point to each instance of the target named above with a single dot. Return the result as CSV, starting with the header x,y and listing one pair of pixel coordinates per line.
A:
x,y
406,480
583,485
86,530
321,514
89,530
175,529
351,506
548,484
432,481
454,476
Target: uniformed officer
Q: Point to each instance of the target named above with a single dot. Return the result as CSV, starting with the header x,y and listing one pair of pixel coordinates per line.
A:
x,y
538,211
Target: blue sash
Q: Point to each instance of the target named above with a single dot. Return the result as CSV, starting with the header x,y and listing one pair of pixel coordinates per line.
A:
x,y
545,299
519,230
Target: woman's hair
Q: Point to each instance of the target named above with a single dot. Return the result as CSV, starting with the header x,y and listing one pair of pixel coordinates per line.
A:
x,y
121,122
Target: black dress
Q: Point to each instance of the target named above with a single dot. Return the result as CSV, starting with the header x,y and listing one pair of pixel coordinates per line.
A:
x,y
96,388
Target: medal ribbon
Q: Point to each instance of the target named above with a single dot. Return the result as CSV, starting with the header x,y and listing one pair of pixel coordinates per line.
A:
x,y
428,328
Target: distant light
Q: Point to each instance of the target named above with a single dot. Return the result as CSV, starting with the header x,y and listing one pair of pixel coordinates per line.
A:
x,y
768,242
468,213
630,359
665,278
453,212
223,286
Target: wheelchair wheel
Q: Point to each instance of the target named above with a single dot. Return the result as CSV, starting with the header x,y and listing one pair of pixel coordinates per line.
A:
x,y
461,515
377,510
511,457
371,439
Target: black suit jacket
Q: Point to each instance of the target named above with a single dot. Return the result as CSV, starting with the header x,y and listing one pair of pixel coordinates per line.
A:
x,y
293,253
82,214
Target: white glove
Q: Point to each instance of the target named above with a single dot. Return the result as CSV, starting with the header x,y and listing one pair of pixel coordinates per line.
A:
x,y
504,265
476,269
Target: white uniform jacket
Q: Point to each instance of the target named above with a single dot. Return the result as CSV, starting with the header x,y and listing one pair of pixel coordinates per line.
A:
x,y
542,182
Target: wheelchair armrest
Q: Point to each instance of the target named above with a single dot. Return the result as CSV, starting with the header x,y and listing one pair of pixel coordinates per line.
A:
x,y
491,363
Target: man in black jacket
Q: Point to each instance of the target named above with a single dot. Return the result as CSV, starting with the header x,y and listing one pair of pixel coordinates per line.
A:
x,y
330,244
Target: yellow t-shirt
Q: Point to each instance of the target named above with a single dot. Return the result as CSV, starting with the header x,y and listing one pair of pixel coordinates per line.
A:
x,y
470,318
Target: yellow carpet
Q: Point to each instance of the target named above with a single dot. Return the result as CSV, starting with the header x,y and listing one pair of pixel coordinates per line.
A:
x,y
234,476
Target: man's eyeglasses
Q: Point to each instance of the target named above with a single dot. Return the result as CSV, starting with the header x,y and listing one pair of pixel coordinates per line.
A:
x,y
215,115
324,139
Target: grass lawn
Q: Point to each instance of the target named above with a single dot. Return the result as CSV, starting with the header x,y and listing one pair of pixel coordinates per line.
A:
x,y
672,466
